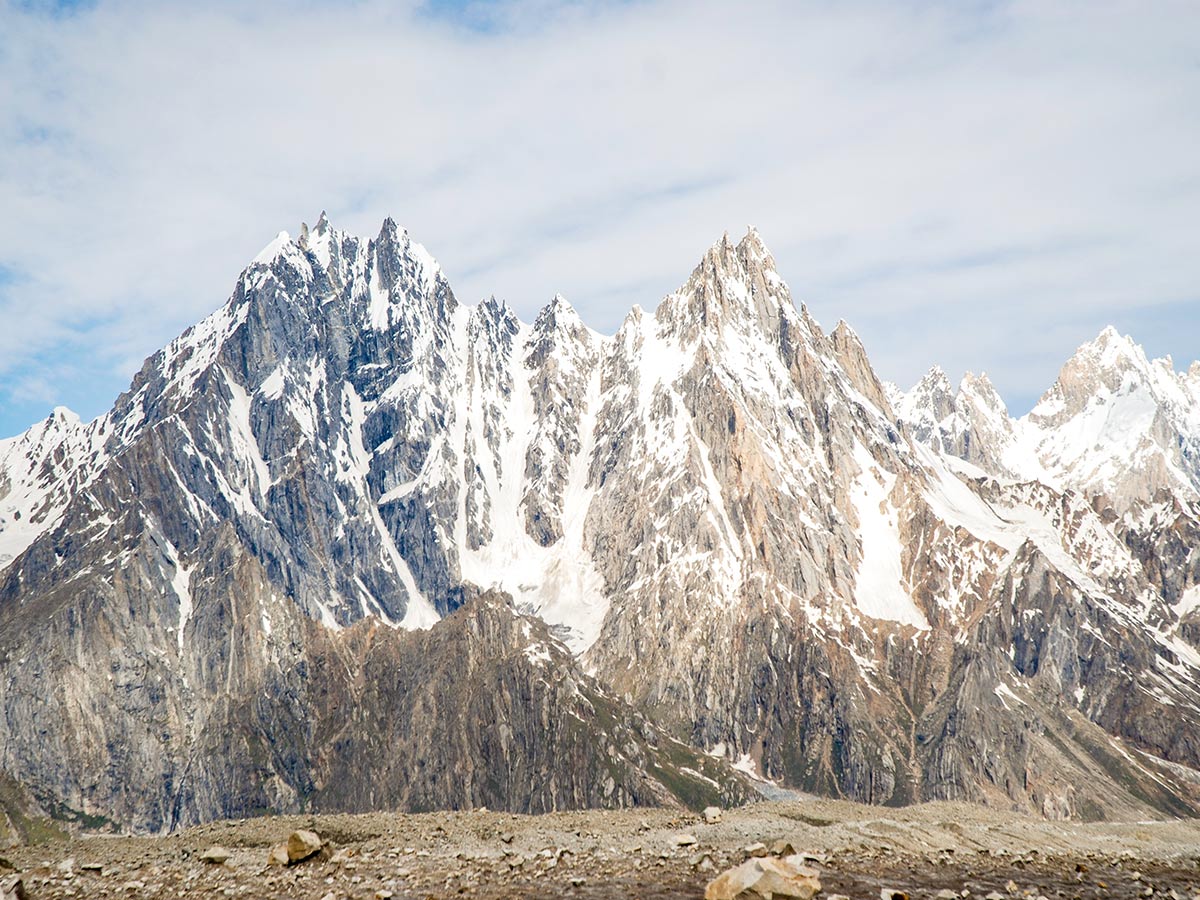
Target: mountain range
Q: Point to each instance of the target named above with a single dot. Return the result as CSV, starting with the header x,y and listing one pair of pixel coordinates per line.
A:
x,y
351,544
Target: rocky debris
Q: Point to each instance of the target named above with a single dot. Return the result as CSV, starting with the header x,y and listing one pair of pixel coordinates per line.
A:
x,y
12,887
892,894
278,855
216,855
302,844
767,878
608,854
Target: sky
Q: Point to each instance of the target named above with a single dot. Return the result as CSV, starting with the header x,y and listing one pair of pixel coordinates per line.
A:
x,y
977,184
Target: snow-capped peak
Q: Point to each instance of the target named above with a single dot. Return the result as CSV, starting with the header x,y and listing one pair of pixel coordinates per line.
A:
x,y
1119,424
735,286
558,315
321,231
39,471
425,269
64,416
1110,349
560,306
934,381
929,400
980,389
1114,423
753,243
1110,364
268,253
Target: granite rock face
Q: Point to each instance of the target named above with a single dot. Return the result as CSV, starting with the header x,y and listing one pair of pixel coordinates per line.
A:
x,y
282,560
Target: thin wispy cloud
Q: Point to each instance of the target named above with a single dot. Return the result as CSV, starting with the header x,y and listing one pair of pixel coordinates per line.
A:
x,y
978,185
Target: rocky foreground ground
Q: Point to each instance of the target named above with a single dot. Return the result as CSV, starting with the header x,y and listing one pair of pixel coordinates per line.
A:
x,y
926,851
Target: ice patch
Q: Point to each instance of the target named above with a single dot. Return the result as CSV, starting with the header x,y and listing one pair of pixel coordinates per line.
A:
x,y
272,386
879,589
242,439
1005,693
379,302
181,585
1189,602
558,583
747,766
537,654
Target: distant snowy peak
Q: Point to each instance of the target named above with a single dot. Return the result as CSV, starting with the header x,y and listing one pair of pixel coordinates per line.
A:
x,y
39,472
1118,424
929,403
1114,424
558,321
1111,364
971,423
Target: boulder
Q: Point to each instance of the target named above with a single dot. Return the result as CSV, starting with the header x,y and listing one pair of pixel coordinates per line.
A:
x,y
712,815
764,878
278,855
215,855
301,845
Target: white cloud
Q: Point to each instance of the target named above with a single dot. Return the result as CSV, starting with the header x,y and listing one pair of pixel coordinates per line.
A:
x,y
990,182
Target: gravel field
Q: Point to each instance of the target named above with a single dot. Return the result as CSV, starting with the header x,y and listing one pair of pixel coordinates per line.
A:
x,y
859,852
